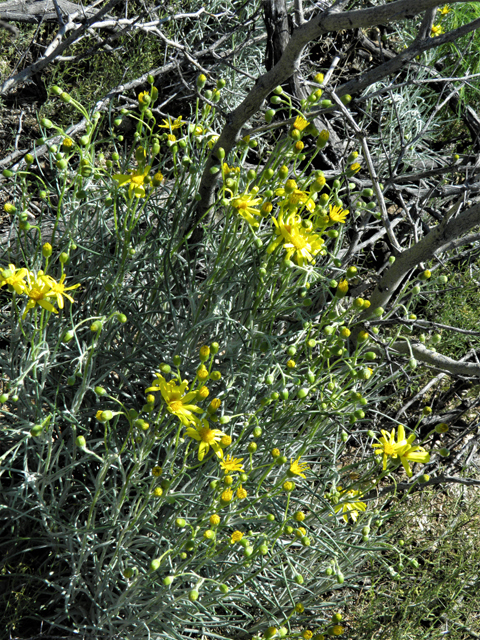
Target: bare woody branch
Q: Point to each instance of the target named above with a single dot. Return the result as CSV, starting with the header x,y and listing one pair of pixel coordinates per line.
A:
x,y
326,21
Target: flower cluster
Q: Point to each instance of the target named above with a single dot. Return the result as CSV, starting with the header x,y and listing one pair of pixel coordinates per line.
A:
x,y
402,449
41,289
299,213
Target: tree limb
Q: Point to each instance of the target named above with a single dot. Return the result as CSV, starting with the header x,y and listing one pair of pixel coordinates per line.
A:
x,y
329,20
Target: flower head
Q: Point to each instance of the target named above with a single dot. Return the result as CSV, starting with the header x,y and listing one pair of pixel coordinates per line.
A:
x,y
171,124
226,170
58,289
298,468
226,441
241,493
337,214
38,290
296,198
144,99
67,144
437,30
214,520
136,180
207,438
299,243
15,278
348,504
178,402
402,449
227,495
245,206
300,123
236,537
230,464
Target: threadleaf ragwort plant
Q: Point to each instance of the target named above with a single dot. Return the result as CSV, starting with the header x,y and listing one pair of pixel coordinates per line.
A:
x,y
186,447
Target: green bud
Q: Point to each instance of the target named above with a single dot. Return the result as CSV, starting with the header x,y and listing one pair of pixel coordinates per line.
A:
x,y
67,336
155,564
81,442
269,115
36,430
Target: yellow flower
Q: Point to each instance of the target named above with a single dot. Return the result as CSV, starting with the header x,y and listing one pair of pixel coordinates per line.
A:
x,y
204,353
349,505
402,449
236,537
436,30
299,608
57,289
297,197
144,99
342,288
241,493
300,123
230,464
14,277
136,181
214,405
226,170
298,468
215,520
226,441
213,141
207,438
178,402
227,495
307,634
291,364
202,372
337,214
38,291
446,9
245,206
337,630
67,144
324,135
157,179
169,124
203,393
298,242
156,472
